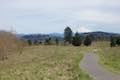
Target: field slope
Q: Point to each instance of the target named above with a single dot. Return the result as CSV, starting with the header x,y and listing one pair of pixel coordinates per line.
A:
x,y
44,63
109,57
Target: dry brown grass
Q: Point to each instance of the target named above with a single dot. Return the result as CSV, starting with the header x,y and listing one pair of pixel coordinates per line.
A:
x,y
9,43
44,63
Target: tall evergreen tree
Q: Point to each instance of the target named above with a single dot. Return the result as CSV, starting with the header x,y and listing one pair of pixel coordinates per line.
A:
x,y
68,35
88,40
77,41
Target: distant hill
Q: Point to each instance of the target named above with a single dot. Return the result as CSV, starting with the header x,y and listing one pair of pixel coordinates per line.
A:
x,y
41,37
98,35
56,35
35,37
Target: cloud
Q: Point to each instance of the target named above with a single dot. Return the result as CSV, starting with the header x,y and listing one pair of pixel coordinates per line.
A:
x,y
3,25
97,16
82,29
57,3
77,10
54,14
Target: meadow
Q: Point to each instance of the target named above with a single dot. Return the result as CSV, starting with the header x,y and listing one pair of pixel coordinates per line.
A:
x,y
45,63
51,62
109,56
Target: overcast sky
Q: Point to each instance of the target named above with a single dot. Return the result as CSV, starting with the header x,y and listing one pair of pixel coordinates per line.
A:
x,y
46,16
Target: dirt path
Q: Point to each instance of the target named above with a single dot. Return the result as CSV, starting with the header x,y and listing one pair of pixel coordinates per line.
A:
x,y
90,64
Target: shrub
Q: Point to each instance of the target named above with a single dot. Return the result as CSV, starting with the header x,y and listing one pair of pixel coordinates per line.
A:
x,y
113,42
57,41
48,41
118,42
29,42
88,40
77,41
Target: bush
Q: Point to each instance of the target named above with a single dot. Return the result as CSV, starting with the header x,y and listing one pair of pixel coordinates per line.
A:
x,y
57,41
29,42
118,42
48,41
88,40
77,41
115,41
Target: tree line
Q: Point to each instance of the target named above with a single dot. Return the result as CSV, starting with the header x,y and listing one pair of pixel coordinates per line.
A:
x,y
76,39
47,41
10,43
69,38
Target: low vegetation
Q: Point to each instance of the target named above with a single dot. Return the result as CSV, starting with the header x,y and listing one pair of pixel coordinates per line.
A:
x,y
115,41
110,56
45,63
9,43
77,41
88,40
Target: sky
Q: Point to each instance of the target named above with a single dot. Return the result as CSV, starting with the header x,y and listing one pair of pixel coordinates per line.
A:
x,y
52,16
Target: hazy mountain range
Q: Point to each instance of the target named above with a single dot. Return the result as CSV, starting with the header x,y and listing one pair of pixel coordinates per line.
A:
x,y
98,35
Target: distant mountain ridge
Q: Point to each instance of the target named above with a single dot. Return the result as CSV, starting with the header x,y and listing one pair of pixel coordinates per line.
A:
x,y
99,35
100,32
41,37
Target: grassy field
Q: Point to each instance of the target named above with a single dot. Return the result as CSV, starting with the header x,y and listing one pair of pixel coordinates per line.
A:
x,y
45,63
56,62
109,57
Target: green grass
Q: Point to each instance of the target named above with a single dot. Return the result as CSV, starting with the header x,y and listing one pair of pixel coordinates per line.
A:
x,y
109,57
45,63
